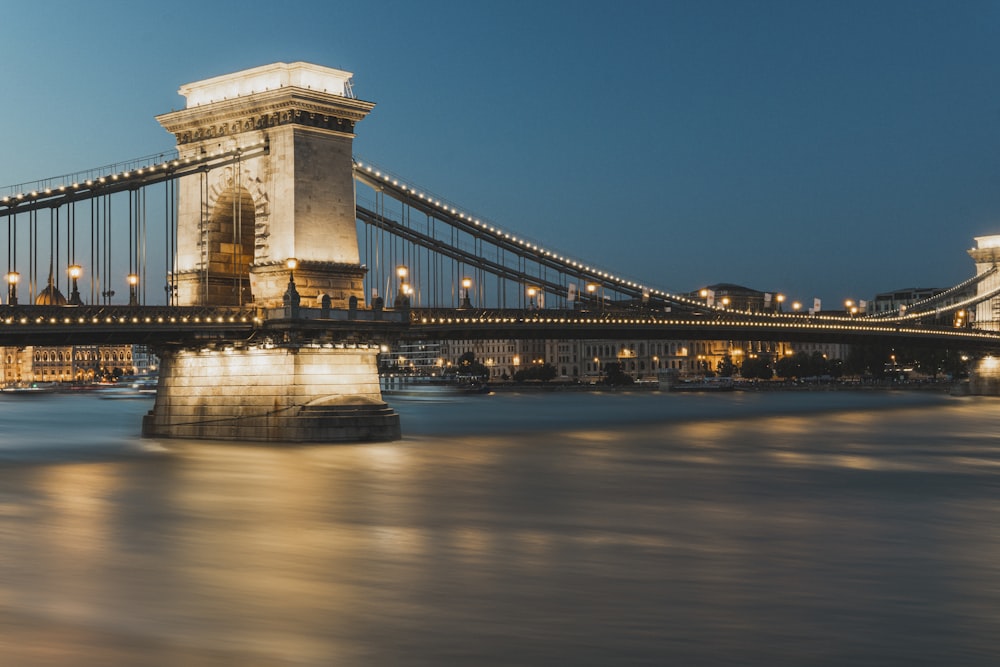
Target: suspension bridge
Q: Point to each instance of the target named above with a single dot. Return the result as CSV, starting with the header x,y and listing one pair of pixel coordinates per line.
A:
x,y
263,253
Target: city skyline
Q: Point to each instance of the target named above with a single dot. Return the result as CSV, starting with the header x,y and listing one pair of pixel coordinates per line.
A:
x,y
814,150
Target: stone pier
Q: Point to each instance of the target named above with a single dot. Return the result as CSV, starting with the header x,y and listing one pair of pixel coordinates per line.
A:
x,y
984,378
278,394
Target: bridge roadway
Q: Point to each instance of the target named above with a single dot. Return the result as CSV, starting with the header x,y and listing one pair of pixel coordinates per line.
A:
x,y
199,326
707,325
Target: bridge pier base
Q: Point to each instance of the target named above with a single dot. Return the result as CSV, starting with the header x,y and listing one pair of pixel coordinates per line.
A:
x,y
984,378
277,394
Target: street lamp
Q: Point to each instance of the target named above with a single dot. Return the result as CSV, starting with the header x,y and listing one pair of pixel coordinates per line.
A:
x,y
292,297
133,293
592,293
780,299
796,306
532,291
75,271
12,278
401,271
466,286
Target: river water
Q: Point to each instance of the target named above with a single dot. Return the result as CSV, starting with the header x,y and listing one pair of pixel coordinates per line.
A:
x,y
813,528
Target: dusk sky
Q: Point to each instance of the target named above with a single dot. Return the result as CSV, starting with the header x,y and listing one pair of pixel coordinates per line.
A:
x,y
820,149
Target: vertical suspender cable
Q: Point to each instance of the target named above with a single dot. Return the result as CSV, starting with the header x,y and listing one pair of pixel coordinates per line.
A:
x,y
167,243
203,234
32,256
12,242
53,241
95,272
131,224
142,246
235,240
107,248
238,203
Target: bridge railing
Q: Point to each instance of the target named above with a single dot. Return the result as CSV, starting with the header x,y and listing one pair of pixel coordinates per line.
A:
x,y
91,174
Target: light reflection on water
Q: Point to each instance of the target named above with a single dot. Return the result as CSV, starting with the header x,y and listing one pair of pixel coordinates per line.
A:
x,y
768,529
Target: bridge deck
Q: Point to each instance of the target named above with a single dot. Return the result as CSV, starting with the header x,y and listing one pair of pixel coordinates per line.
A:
x,y
192,326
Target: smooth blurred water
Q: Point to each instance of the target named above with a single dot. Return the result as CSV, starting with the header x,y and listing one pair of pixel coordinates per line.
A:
x,y
825,528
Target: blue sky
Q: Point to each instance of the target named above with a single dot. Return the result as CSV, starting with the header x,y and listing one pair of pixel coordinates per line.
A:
x,y
831,149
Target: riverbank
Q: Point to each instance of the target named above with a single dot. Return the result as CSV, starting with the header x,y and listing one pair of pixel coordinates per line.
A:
x,y
550,387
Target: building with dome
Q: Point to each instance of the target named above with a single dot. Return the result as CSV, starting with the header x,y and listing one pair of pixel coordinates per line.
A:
x,y
80,364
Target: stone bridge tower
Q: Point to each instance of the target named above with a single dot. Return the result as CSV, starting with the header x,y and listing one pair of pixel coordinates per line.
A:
x,y
986,255
238,226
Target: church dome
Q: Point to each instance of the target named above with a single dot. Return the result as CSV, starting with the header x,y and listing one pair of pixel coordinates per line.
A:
x,y
50,296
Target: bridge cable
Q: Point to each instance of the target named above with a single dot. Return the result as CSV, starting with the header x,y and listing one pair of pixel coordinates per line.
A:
x,y
108,291
53,242
33,256
203,233
142,246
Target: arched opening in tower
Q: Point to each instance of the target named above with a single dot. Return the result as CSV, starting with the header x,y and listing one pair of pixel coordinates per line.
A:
x,y
231,246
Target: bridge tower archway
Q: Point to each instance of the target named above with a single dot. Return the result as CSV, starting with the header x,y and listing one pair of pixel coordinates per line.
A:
x,y
229,248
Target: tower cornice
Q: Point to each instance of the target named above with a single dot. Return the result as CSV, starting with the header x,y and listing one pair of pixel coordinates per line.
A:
x,y
988,255
284,106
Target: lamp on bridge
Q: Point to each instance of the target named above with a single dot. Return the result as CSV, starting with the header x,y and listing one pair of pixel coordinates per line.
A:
x,y
75,271
402,297
532,292
12,278
779,299
466,286
796,306
852,309
292,297
133,292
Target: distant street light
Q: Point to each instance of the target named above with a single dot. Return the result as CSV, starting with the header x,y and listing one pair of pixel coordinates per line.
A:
x,y
75,271
401,297
133,293
291,297
12,278
466,286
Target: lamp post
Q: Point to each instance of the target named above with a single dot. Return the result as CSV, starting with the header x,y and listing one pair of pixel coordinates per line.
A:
x,y
532,291
75,271
780,299
466,286
12,278
401,272
133,293
292,298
